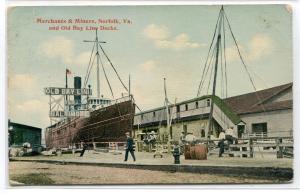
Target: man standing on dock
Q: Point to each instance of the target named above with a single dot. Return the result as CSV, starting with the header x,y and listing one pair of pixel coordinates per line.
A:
x,y
83,149
129,147
221,142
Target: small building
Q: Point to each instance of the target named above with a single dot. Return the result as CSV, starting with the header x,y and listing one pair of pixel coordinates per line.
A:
x,y
267,113
20,134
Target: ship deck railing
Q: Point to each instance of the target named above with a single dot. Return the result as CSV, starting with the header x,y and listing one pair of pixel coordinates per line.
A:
x,y
115,101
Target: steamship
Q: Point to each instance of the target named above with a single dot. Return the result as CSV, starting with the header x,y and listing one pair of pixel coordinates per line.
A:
x,y
87,119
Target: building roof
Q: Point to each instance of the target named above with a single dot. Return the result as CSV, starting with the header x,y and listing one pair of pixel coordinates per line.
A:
x,y
227,110
23,126
258,101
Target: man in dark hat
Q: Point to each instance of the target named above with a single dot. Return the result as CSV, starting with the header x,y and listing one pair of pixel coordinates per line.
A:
x,y
83,149
221,143
129,147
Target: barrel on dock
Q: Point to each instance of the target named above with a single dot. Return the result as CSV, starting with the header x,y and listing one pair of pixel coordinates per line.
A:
x,y
192,152
187,154
200,152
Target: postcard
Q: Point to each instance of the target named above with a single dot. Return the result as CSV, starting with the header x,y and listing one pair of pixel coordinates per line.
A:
x,y
150,95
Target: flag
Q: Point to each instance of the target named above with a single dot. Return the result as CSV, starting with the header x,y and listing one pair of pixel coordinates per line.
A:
x,y
68,71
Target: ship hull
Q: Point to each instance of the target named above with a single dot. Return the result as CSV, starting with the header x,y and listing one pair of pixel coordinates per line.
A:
x,y
108,124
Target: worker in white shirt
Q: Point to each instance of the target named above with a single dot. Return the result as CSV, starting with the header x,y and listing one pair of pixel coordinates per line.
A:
x,y
190,137
229,136
221,142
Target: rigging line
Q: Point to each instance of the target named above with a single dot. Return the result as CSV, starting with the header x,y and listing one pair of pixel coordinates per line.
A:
x,y
221,54
89,71
225,63
113,67
245,66
220,22
136,104
222,72
92,64
85,80
222,83
259,77
218,27
160,116
255,74
215,58
205,64
221,57
209,66
112,93
210,78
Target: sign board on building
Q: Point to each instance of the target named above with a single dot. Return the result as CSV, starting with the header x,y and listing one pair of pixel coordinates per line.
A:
x,y
61,113
67,91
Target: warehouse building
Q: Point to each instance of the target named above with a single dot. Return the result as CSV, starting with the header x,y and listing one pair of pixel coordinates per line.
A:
x,y
20,134
267,112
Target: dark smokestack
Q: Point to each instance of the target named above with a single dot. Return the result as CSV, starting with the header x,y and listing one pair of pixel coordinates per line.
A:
x,y
77,85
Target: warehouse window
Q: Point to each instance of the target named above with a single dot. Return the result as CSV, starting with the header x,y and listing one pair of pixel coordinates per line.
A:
x,y
202,133
185,129
197,105
260,129
177,108
208,102
186,107
241,130
154,114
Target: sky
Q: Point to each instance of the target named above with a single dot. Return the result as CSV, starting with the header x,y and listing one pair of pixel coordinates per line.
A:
x,y
159,42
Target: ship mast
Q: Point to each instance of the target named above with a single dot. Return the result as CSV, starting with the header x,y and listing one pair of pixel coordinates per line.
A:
x,y
218,49
97,42
210,126
167,108
217,46
168,116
